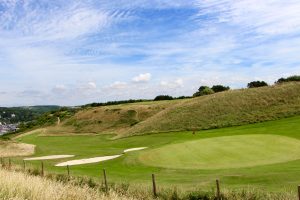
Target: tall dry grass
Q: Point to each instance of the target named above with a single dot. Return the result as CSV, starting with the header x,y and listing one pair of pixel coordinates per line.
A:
x,y
224,109
10,149
17,186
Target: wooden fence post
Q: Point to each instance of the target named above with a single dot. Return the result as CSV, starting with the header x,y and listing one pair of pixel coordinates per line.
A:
x,y
218,190
68,170
299,192
154,185
9,163
42,166
105,180
24,165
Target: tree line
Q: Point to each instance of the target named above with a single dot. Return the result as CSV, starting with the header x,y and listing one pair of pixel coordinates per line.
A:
x,y
206,90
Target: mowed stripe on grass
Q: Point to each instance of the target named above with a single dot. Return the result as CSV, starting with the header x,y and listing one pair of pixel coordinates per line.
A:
x,y
224,152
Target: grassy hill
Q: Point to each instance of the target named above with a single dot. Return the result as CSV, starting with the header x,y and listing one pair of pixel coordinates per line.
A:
x,y
111,119
230,108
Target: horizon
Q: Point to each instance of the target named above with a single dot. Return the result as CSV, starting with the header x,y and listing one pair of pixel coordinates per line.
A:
x,y
75,53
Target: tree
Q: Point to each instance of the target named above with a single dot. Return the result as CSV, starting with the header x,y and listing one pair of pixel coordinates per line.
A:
x,y
220,88
255,84
163,97
203,90
288,79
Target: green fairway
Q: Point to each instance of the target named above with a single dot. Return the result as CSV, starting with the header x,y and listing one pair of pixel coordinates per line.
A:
x,y
263,155
225,152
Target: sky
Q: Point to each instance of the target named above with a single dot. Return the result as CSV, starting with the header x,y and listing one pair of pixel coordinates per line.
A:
x,y
64,52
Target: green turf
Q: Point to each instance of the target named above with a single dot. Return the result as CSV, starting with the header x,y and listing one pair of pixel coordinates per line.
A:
x,y
224,152
278,135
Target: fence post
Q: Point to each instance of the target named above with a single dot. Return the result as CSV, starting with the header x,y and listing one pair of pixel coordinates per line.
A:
x,y
68,170
105,180
218,190
299,192
154,185
2,163
24,165
42,165
9,163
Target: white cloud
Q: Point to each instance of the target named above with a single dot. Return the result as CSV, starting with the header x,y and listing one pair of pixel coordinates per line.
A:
x,y
118,85
268,17
178,83
142,78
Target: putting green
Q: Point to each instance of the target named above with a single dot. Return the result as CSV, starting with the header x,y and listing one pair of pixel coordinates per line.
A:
x,y
224,152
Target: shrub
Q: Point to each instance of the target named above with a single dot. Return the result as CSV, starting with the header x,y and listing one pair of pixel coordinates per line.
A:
x,y
288,79
255,84
163,97
220,88
203,90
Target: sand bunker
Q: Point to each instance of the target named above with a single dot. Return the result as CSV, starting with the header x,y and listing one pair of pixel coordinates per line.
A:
x,y
87,161
135,149
49,157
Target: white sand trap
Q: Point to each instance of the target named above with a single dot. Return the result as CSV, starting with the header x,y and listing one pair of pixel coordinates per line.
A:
x,y
87,161
50,157
135,149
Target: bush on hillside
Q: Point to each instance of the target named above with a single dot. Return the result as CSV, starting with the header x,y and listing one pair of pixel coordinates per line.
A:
x,y
220,88
255,84
163,97
203,90
288,79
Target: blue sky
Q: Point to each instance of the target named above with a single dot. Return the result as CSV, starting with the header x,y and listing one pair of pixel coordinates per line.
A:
x,y
76,52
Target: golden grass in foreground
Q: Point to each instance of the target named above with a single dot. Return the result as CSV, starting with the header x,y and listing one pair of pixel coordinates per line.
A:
x,y
16,185
10,149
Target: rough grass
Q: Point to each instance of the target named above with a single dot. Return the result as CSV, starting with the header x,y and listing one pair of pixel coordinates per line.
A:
x,y
19,186
10,149
109,119
230,108
16,185
224,152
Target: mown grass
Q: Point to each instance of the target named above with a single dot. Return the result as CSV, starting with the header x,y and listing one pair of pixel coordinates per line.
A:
x,y
128,168
224,152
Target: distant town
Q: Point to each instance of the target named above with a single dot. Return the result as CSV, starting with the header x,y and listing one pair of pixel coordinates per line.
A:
x,y
8,127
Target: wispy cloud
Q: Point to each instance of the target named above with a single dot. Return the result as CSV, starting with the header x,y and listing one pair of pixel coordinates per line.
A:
x,y
62,52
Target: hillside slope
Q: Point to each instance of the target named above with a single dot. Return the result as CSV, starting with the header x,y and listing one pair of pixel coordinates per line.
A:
x,y
230,108
224,109
110,119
